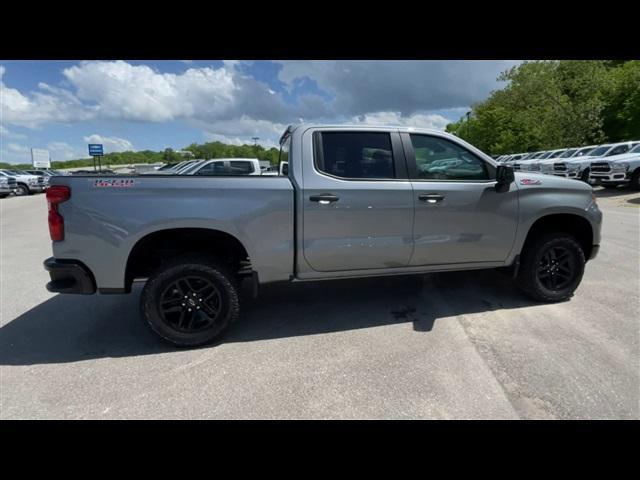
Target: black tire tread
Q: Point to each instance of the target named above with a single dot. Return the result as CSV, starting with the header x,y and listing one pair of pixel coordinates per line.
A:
x,y
635,180
205,263
528,266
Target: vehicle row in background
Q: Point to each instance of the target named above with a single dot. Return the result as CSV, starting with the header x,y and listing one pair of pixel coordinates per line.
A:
x,y
20,182
609,165
217,167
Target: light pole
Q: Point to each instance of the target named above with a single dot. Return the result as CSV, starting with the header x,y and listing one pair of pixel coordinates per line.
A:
x,y
468,114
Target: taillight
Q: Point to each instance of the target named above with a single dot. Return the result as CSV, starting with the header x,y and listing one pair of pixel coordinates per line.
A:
x,y
55,196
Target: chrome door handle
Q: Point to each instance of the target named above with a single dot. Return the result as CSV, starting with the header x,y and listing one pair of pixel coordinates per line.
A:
x,y
324,199
431,197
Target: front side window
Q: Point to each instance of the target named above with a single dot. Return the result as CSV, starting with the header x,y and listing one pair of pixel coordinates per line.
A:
x,y
438,158
355,155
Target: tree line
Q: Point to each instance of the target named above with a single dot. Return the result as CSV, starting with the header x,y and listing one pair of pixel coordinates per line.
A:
x,y
556,104
205,151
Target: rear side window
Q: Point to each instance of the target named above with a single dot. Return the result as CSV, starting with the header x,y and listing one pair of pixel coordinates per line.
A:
x,y
355,154
440,159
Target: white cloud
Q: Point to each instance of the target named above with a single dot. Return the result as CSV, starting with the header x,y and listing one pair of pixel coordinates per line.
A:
x,y
226,103
124,91
111,144
50,104
431,121
242,130
360,87
64,151
17,148
6,133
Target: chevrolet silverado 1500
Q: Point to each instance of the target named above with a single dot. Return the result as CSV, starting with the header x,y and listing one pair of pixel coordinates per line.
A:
x,y
355,202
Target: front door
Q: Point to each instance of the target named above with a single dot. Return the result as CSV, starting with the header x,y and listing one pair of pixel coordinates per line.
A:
x,y
357,202
459,216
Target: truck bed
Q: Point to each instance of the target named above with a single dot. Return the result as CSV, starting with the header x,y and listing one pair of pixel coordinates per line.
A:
x,y
106,216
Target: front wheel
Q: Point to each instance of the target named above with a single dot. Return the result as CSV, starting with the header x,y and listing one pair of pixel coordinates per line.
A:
x,y
22,190
635,180
190,301
551,267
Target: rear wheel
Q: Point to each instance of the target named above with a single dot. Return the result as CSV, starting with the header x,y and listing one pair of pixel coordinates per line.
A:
x,y
551,267
190,301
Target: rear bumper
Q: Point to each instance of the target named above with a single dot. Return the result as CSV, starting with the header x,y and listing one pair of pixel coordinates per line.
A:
x,y
69,276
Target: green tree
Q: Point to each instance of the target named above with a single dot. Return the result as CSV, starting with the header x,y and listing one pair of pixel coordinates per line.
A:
x,y
555,104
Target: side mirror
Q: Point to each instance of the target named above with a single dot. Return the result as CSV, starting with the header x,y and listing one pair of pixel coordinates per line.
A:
x,y
504,178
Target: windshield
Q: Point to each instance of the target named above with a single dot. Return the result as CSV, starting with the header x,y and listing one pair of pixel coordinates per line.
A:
x,y
635,149
598,152
556,154
568,153
191,167
545,155
584,151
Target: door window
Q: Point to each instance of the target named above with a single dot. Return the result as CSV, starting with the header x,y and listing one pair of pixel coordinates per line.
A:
x,y
355,155
440,159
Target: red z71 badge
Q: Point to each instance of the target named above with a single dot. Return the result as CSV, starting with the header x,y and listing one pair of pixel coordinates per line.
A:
x,y
529,181
114,183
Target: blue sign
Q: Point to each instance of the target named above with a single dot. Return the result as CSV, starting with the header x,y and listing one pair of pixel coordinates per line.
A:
x,y
95,149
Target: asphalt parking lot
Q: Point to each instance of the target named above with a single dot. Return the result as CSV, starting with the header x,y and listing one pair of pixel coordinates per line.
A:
x,y
455,345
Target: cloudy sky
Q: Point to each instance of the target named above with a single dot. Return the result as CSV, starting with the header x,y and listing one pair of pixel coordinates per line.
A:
x,y
138,105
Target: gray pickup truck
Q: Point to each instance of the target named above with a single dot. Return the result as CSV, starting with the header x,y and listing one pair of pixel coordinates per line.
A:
x,y
356,202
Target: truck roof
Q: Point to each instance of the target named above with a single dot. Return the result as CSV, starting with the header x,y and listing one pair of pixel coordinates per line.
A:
x,y
402,128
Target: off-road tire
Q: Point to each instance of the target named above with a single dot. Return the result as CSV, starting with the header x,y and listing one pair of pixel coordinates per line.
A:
x,y
195,268
532,262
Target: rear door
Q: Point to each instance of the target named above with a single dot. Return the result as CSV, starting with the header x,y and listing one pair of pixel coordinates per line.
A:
x,y
357,202
459,216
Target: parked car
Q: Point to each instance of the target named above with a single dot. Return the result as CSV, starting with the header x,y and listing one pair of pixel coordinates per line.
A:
x,y
11,182
6,188
516,165
45,173
358,202
533,164
546,165
580,166
225,166
27,184
571,165
621,169
176,169
104,171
